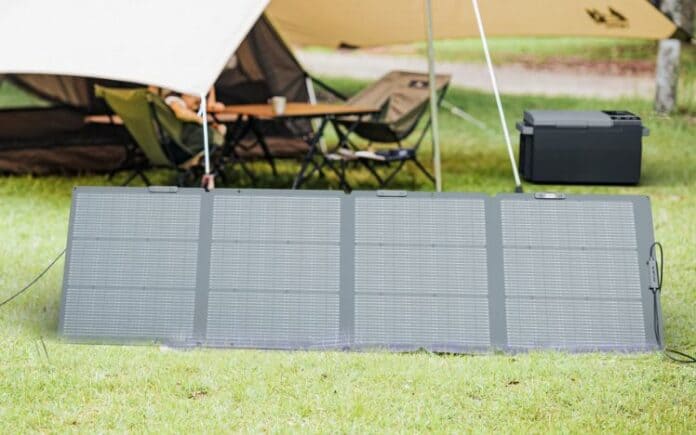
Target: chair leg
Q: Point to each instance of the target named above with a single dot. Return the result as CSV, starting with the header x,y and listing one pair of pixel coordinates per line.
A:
x,y
137,173
131,177
344,181
129,159
111,174
220,173
393,173
264,147
230,157
321,173
181,179
144,178
340,173
423,169
370,167
248,172
302,176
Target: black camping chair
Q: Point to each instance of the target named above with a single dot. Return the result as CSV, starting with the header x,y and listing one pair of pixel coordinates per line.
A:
x,y
403,99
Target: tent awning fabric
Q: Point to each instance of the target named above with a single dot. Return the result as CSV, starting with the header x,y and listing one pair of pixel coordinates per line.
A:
x,y
176,44
368,22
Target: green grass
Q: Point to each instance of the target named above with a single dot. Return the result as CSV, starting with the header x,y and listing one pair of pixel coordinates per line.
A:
x,y
113,388
543,49
539,49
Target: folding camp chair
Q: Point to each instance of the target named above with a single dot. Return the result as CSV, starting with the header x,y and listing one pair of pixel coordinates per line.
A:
x,y
157,131
403,99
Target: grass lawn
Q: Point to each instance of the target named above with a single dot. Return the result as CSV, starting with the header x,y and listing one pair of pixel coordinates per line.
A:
x,y
543,48
112,388
546,49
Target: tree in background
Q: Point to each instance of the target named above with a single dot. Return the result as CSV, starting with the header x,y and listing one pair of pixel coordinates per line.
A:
x,y
667,71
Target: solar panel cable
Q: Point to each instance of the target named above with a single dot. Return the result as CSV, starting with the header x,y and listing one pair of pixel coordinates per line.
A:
x,y
33,281
657,263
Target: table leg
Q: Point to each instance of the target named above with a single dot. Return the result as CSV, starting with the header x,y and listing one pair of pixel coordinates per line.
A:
x,y
262,142
309,157
235,134
340,173
344,141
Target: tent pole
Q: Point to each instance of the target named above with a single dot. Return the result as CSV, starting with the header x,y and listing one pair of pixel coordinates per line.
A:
x,y
435,129
203,110
208,181
494,82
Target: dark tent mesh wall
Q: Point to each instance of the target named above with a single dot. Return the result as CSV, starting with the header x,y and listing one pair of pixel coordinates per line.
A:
x,y
49,135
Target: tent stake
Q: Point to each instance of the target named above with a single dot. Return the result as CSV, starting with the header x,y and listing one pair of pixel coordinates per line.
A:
x,y
494,82
435,128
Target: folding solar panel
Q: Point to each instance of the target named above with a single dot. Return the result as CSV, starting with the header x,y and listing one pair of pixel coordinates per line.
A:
x,y
575,272
323,270
131,265
421,277
274,270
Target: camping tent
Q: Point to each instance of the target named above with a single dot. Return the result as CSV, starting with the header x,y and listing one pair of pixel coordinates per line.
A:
x,y
124,41
189,57
46,138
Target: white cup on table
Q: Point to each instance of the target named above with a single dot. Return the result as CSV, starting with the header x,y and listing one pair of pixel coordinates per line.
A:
x,y
278,104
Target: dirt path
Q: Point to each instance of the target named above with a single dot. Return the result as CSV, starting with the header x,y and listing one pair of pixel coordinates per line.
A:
x,y
512,79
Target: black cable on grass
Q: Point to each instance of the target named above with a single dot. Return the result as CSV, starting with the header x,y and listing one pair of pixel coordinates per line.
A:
x,y
672,354
33,281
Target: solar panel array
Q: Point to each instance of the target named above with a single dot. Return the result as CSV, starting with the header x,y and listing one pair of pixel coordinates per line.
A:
x,y
325,270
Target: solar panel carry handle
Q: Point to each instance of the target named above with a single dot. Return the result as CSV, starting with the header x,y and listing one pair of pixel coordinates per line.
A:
x,y
549,195
163,189
392,193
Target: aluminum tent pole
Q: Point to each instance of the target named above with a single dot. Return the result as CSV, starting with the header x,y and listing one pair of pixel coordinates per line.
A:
x,y
203,112
208,181
494,82
434,128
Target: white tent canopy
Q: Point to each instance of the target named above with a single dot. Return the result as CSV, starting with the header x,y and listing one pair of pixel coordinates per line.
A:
x,y
176,44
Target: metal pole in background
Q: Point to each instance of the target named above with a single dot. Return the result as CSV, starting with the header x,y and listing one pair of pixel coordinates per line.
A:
x,y
208,180
203,113
435,129
494,82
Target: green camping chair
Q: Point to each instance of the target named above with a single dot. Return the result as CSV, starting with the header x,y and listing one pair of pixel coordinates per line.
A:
x,y
403,99
159,134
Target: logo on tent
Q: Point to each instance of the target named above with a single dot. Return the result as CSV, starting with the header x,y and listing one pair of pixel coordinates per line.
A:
x,y
611,19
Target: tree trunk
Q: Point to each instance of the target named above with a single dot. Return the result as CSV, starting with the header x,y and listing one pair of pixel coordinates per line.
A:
x,y
667,70
667,75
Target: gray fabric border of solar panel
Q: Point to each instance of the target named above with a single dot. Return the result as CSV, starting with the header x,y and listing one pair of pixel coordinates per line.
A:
x,y
449,272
